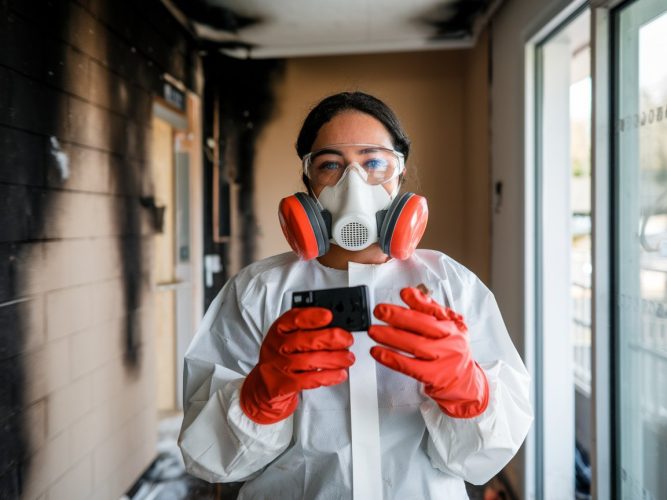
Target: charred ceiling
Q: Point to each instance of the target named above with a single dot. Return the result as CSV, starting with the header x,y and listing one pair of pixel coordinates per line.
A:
x,y
261,29
455,20
214,15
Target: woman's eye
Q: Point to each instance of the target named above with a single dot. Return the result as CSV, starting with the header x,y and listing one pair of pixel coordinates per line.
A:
x,y
376,163
328,165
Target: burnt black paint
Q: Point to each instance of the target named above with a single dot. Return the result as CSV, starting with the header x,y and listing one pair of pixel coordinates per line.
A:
x,y
13,437
246,104
245,90
214,15
454,20
28,114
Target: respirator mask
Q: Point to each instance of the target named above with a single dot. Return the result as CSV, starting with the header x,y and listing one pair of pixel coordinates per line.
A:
x,y
354,208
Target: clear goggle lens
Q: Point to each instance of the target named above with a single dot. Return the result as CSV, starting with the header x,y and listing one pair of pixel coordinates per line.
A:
x,y
326,166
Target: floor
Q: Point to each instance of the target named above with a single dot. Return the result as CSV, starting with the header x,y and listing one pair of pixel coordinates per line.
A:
x,y
166,478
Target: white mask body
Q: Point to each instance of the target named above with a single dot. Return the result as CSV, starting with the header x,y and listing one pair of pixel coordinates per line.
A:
x,y
353,205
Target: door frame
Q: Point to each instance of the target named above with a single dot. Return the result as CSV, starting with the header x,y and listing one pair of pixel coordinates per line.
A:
x,y
602,366
602,453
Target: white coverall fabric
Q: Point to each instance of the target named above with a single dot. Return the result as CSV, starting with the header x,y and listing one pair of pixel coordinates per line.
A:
x,y
425,453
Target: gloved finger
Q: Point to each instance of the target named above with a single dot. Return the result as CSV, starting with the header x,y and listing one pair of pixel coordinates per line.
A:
x,y
412,367
316,340
414,321
416,300
303,318
320,360
315,379
402,340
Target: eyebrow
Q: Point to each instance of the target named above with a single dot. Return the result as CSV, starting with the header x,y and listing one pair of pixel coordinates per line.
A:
x,y
338,152
327,151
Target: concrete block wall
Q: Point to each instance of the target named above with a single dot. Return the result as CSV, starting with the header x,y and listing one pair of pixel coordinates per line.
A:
x,y
77,83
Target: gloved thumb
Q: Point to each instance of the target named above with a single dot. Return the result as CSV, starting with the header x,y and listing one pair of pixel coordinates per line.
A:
x,y
418,301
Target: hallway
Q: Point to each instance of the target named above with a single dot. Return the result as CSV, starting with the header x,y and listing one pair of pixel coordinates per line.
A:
x,y
145,148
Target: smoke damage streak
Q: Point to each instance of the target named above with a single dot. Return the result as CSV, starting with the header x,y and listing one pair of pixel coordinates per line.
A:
x,y
454,20
247,102
214,15
13,436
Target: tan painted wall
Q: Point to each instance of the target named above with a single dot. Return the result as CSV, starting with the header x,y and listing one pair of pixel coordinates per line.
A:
x,y
477,229
431,92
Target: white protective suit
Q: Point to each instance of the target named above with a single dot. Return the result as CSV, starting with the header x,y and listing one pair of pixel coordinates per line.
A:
x,y
424,453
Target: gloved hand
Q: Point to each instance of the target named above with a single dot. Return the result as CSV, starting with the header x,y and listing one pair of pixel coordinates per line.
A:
x,y
297,353
437,338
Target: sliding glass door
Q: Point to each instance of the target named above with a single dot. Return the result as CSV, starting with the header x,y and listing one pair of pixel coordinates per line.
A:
x,y
640,249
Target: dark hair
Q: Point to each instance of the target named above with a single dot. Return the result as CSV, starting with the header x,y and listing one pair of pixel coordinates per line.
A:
x,y
335,104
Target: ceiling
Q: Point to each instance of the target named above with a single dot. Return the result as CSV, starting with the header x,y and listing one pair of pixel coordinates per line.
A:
x,y
290,28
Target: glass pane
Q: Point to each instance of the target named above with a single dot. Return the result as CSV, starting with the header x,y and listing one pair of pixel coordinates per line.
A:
x,y
581,266
641,242
580,246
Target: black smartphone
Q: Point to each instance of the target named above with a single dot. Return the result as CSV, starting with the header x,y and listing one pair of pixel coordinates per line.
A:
x,y
349,305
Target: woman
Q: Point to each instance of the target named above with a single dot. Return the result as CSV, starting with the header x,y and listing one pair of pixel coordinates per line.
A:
x,y
267,394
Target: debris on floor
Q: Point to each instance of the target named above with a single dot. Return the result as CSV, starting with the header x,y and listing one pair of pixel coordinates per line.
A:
x,y
166,479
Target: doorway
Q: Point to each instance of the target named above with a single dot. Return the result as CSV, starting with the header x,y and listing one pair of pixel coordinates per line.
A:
x,y
177,243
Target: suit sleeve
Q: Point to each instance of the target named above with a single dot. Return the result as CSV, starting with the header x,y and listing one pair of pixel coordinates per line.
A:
x,y
218,442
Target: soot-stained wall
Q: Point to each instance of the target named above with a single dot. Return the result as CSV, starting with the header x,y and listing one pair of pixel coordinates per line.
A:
x,y
77,83
241,96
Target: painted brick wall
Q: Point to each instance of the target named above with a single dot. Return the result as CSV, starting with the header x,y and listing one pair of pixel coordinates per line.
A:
x,y
77,81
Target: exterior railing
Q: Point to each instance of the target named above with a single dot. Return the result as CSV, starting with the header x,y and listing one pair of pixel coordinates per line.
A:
x,y
649,352
581,336
649,347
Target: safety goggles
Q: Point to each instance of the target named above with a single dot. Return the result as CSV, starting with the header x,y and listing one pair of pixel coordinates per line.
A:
x,y
326,166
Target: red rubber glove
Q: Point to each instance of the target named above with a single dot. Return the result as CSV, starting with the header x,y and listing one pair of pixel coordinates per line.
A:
x,y
297,353
436,340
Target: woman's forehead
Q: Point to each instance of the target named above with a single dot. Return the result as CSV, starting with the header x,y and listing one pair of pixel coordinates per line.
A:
x,y
343,149
352,127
